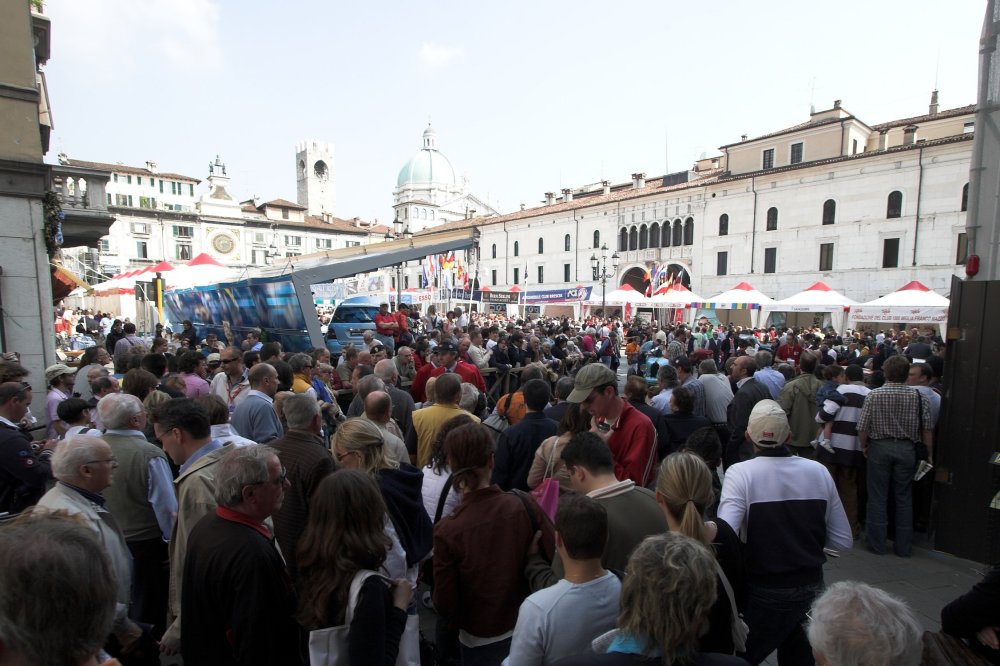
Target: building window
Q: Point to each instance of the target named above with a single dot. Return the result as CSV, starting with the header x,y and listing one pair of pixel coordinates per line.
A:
x,y
960,256
293,241
324,243
494,276
826,256
139,228
796,154
566,277
517,275
890,253
689,231
541,246
665,234
770,259
597,239
724,224
161,186
623,239
183,232
182,251
352,243
654,235
643,237
965,198
173,187
517,249
116,177
109,198
141,250
147,202
633,238
677,233
894,205
854,147
768,162
291,253
191,189
138,180
541,275
567,243
128,179
104,246
829,211
494,249
284,213
772,219
721,263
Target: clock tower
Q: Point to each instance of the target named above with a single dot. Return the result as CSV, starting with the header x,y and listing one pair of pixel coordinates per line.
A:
x,y
314,177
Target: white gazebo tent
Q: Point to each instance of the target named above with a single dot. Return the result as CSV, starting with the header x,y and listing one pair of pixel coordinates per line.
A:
x,y
820,297
676,297
742,305
913,303
202,270
625,297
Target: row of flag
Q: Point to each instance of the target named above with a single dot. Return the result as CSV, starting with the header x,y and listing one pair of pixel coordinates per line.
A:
x,y
447,269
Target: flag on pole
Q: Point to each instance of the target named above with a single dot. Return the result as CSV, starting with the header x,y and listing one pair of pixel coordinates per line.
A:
x,y
647,279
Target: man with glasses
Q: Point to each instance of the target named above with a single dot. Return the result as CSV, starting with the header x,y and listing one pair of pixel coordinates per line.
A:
x,y
24,465
184,430
232,384
255,417
628,432
83,466
238,604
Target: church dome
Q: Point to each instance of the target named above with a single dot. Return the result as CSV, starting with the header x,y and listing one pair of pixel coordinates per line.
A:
x,y
428,165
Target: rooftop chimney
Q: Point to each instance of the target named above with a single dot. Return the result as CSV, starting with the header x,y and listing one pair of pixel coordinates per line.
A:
x,y
883,139
934,103
836,103
909,135
638,180
743,137
151,166
567,194
550,198
522,206
607,187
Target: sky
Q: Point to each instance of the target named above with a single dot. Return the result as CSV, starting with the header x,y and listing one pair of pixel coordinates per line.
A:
x,y
526,97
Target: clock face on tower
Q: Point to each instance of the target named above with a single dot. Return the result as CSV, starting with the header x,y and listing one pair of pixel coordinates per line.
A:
x,y
223,244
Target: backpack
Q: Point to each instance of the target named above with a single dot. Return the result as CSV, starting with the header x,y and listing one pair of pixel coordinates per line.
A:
x,y
498,423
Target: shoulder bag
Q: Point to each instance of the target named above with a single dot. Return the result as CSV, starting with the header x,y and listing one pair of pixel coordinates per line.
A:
x,y
328,647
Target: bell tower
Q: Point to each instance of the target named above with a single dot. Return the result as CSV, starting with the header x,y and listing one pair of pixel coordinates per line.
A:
x,y
314,177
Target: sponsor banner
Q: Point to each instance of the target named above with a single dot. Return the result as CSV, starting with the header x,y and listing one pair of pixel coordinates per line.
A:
x,y
498,307
894,315
558,295
358,286
532,309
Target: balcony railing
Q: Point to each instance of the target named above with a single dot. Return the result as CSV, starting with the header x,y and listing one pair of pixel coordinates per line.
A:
x,y
83,196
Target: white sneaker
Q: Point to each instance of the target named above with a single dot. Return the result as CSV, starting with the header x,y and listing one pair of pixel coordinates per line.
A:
x,y
827,445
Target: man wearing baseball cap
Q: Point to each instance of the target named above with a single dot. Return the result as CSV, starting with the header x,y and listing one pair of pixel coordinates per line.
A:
x,y
786,510
447,361
628,432
59,378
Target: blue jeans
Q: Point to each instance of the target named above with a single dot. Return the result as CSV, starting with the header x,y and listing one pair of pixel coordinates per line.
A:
x,y
492,654
775,617
388,341
895,460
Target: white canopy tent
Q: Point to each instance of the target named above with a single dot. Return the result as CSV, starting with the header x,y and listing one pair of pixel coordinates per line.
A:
x,y
742,297
913,303
820,297
202,270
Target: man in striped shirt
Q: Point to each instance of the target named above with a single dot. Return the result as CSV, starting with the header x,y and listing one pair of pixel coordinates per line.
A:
x,y
847,462
893,420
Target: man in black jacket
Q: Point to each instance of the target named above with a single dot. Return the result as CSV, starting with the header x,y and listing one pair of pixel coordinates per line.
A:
x,y
24,472
749,393
517,445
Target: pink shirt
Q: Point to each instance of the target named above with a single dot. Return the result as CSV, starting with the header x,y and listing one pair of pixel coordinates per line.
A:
x,y
195,386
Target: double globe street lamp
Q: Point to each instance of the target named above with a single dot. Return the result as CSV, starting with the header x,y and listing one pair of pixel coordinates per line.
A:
x,y
399,231
599,268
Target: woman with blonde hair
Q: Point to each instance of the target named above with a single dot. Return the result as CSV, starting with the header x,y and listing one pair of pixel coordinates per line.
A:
x,y
684,492
358,444
668,589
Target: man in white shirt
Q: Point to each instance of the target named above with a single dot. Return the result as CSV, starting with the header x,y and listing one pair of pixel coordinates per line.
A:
x,y
561,621
232,384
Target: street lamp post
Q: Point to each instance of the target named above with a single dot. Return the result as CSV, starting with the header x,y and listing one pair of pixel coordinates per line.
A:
x,y
599,269
399,231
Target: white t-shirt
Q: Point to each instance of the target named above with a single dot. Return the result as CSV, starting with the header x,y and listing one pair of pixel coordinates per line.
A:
x,y
561,621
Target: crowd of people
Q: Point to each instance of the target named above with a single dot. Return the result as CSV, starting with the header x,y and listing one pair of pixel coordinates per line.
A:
x,y
236,504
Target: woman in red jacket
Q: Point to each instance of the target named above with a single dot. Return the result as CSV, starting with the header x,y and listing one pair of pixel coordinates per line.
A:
x,y
481,549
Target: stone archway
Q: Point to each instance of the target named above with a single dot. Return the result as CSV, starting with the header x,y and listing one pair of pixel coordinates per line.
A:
x,y
635,278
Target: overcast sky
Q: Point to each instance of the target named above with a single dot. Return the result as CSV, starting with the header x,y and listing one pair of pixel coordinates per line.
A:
x,y
526,97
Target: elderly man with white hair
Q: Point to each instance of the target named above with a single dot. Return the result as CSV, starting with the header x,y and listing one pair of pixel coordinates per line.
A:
x,y
853,623
142,501
83,466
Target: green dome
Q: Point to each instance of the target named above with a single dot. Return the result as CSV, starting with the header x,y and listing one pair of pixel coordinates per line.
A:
x,y
428,165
